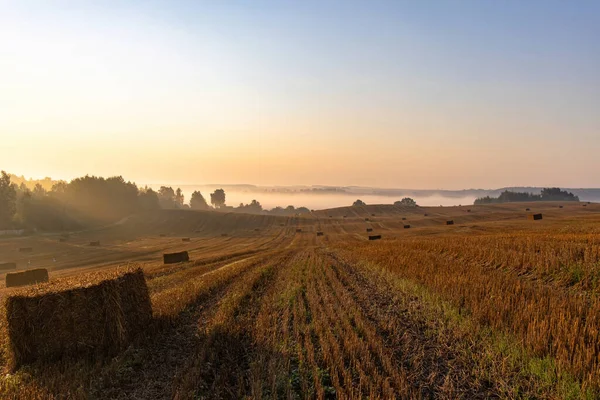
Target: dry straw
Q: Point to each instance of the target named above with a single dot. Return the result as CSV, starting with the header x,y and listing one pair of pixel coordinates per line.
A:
x,y
174,258
95,315
29,277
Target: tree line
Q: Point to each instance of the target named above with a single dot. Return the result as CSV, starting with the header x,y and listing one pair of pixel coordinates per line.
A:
x,y
547,194
91,200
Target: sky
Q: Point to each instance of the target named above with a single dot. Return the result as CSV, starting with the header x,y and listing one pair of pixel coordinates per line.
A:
x,y
411,94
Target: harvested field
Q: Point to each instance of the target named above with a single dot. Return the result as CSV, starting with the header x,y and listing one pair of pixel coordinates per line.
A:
x,y
497,307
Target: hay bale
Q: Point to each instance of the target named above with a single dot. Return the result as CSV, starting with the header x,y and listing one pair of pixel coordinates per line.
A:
x,y
372,215
224,235
469,210
25,249
95,243
97,318
256,229
403,218
450,222
298,230
585,205
374,237
344,216
163,235
527,209
174,258
534,217
8,266
29,277
62,240
369,229
425,215
406,226
319,233
560,206
366,219
186,239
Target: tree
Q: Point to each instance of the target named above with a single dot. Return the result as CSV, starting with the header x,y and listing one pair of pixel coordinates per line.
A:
x,y
8,201
406,202
358,203
166,197
148,199
179,197
217,198
198,202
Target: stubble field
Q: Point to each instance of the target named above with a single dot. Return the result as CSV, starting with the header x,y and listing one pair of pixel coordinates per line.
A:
x,y
494,306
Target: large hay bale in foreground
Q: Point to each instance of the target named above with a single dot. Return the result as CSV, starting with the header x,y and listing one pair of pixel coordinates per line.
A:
x,y
534,217
29,277
8,266
98,317
174,258
374,237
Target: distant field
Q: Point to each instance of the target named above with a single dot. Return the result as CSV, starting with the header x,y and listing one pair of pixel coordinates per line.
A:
x,y
493,306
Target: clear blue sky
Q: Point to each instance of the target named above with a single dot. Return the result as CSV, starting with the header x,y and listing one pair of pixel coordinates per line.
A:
x,y
420,94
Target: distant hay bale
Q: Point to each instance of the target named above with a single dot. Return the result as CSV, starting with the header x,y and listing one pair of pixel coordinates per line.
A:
x,y
224,235
298,230
8,266
256,229
366,219
534,217
450,222
369,229
163,235
403,218
585,205
560,206
198,231
527,209
29,277
344,216
469,210
406,226
319,233
62,240
186,239
425,215
281,224
95,243
97,318
174,258
331,216
25,249
372,215
374,237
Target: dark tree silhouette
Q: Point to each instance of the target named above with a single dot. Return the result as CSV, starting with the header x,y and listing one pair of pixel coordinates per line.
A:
x,y
358,203
198,202
217,198
406,202
8,198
